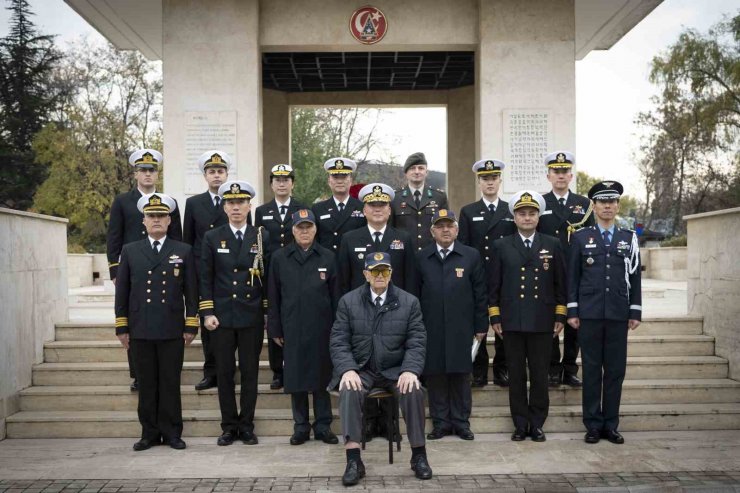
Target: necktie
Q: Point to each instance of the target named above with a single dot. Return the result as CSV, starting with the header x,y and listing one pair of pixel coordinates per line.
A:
x,y
378,302
283,211
607,237
527,243
444,253
155,246
417,199
341,207
239,237
216,201
492,208
377,241
561,201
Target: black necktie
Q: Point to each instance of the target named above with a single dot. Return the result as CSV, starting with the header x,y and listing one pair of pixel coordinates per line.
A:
x,y
527,243
492,208
216,201
283,211
377,241
444,253
561,201
607,237
378,302
239,237
341,207
417,199
155,246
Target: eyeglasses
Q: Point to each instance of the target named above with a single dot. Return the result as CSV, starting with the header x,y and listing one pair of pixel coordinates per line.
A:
x,y
381,272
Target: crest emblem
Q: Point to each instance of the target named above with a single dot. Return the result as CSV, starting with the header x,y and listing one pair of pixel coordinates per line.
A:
x,y
339,164
560,158
216,159
489,165
147,158
459,271
608,184
368,25
378,256
154,200
281,167
303,213
443,213
223,243
235,188
377,189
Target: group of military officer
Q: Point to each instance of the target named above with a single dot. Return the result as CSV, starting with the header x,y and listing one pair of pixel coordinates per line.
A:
x,y
534,261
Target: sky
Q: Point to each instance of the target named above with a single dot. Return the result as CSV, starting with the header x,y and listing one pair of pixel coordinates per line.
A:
x,y
611,88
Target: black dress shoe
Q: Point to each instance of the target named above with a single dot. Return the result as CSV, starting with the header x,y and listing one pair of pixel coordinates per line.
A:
x,y
227,438
326,437
277,382
572,381
501,378
592,436
537,435
519,435
479,382
421,468
248,438
466,434
134,387
177,443
437,433
299,438
206,383
353,473
613,436
555,380
145,444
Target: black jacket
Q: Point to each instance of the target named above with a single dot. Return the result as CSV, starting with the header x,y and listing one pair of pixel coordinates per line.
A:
x,y
394,335
526,287
454,303
332,225
479,228
201,216
555,220
597,288
417,221
126,225
227,289
281,232
303,292
156,293
358,244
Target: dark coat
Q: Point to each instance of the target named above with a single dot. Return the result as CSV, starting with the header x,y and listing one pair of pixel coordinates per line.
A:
x,y
358,244
453,300
281,232
156,293
598,290
332,225
394,335
303,292
555,219
227,289
527,286
126,225
201,216
479,228
417,221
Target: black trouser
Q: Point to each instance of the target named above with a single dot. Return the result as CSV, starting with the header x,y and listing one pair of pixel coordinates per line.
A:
x,y
568,365
275,355
450,401
321,412
351,405
158,364
209,358
480,364
131,368
528,350
248,342
604,356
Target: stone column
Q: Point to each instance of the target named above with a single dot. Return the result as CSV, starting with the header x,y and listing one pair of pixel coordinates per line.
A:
x,y
461,189
276,134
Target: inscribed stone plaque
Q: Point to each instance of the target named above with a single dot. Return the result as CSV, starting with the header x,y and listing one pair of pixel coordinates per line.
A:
x,y
527,139
204,131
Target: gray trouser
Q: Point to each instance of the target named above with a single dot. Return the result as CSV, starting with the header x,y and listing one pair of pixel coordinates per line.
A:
x,y
351,405
450,401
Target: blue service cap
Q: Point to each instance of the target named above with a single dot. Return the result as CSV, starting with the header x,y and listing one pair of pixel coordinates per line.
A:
x,y
377,259
442,214
303,216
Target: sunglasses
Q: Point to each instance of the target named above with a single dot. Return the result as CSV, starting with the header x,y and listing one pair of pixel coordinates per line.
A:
x,y
381,272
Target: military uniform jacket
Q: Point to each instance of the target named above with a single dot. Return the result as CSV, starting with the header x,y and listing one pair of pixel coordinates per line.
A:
x,y
281,232
125,225
358,244
479,228
453,301
332,224
304,293
227,289
156,293
201,216
416,222
597,288
554,221
526,286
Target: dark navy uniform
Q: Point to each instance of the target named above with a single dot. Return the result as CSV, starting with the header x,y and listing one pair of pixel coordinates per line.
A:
x,y
479,228
417,219
333,223
561,221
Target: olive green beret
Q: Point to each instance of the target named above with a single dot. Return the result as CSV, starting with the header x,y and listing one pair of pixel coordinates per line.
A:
x,y
415,158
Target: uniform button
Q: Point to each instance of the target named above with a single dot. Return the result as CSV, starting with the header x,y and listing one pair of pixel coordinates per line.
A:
x,y
234,283
487,249
148,290
535,296
419,213
607,290
164,291
536,270
335,233
536,287
607,278
522,267
521,296
236,270
419,225
248,296
335,247
419,236
162,301
233,296
282,226
164,282
248,283
486,237
210,225
282,245
149,272
148,300
557,232
143,232
607,254
282,235
501,236
419,248
487,258
164,272
522,278
149,281
536,278
522,286
608,266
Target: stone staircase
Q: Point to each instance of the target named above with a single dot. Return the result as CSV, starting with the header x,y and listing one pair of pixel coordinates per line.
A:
x,y
674,382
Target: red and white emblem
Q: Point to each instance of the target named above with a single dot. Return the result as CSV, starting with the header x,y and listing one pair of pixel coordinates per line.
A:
x,y
368,25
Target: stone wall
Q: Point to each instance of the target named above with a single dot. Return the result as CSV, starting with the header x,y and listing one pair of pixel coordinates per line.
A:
x,y
714,279
87,269
665,264
33,296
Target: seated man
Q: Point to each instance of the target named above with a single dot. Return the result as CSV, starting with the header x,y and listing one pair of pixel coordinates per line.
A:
x,y
378,340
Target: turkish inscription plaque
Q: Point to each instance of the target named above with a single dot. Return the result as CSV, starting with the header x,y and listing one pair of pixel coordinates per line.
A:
x,y
204,131
527,139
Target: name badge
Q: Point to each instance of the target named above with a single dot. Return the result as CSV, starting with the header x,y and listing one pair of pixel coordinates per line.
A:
x,y
322,269
360,249
508,219
546,212
478,218
223,250
266,218
176,261
591,245
325,216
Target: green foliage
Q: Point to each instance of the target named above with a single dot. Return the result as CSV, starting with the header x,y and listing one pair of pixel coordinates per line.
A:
x,y
628,206
676,241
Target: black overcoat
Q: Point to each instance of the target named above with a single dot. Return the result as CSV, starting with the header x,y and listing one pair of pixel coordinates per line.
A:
x,y
332,224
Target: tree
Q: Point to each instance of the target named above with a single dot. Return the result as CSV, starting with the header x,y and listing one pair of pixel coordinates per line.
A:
x,y
628,206
689,154
28,96
115,109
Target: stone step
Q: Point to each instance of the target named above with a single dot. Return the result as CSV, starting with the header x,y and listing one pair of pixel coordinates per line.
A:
x,y
278,422
100,351
116,373
99,331
105,300
120,398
